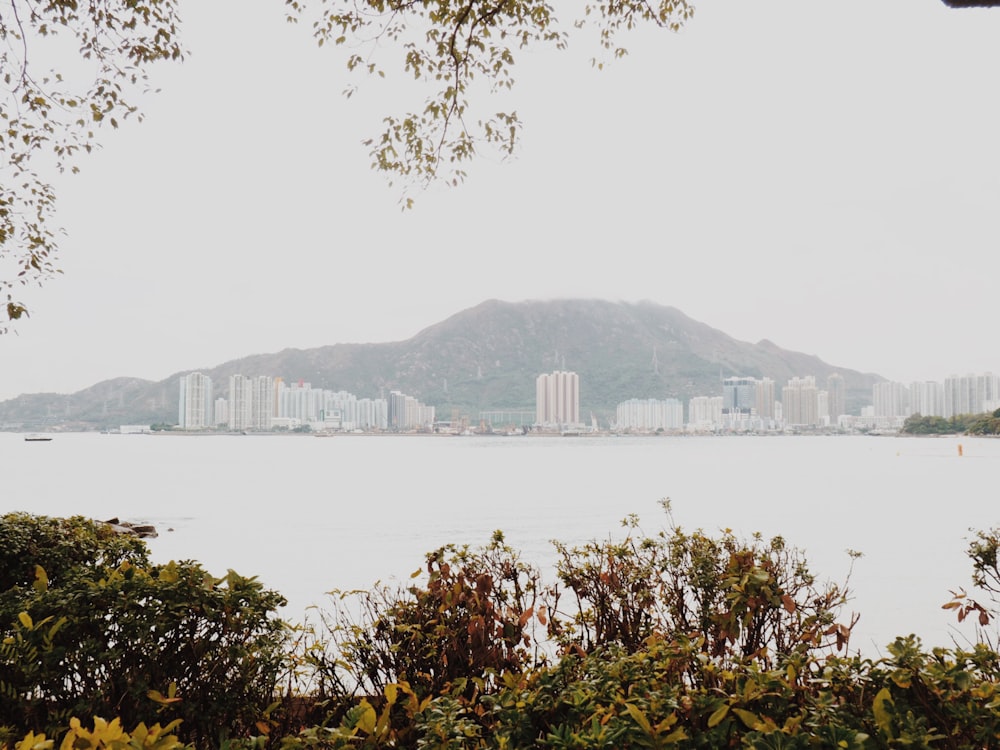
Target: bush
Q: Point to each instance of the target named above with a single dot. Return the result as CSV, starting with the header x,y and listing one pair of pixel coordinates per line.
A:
x,y
741,598
136,642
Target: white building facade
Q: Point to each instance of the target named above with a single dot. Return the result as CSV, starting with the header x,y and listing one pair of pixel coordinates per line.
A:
x,y
557,399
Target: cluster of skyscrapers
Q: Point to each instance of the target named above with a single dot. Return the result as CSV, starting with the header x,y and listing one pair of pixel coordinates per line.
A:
x,y
746,404
264,403
959,394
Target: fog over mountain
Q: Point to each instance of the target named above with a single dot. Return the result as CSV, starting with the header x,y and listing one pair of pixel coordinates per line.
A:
x,y
485,357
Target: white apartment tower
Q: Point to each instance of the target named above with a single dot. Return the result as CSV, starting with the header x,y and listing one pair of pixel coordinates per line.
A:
x,y
262,405
836,390
927,399
649,415
240,402
800,402
704,412
765,398
195,404
557,398
891,399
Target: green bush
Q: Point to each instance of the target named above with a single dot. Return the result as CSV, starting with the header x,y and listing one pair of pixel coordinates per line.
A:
x,y
135,642
62,547
676,640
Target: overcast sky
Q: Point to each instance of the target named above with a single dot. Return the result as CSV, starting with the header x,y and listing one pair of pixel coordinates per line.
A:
x,y
823,175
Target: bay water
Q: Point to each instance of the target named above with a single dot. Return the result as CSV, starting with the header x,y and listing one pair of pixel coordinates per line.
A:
x,y
307,514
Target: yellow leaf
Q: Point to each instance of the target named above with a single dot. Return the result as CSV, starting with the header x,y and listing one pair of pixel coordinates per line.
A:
x,y
157,696
367,718
675,736
25,619
34,741
749,718
882,717
718,715
639,717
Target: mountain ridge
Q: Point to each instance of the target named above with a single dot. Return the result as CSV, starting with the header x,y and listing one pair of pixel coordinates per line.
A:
x,y
484,357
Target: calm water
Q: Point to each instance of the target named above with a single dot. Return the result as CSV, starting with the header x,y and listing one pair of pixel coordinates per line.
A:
x,y
307,514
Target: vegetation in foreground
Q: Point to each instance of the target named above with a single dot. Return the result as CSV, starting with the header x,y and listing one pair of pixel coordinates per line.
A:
x,y
672,640
961,424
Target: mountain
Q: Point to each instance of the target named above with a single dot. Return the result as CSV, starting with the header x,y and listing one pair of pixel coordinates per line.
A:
x,y
486,357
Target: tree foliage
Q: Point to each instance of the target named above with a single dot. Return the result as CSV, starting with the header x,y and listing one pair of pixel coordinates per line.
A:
x,y
464,52
67,68
969,424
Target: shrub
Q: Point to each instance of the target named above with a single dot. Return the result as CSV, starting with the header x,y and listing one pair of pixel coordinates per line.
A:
x,y
136,642
741,598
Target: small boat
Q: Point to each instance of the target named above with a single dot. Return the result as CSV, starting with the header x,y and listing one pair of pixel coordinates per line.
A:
x,y
36,438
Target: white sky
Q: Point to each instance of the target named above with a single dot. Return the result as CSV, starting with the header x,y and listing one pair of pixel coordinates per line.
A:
x,y
825,175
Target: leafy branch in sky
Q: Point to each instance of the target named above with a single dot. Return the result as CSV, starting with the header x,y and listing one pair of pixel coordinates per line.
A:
x,y
455,47
66,68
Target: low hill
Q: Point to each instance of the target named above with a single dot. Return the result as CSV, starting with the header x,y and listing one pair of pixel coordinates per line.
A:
x,y
486,357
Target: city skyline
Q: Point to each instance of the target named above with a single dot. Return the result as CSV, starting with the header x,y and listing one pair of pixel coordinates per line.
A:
x,y
746,404
241,216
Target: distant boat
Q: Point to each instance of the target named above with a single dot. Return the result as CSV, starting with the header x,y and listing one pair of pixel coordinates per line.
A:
x,y
35,438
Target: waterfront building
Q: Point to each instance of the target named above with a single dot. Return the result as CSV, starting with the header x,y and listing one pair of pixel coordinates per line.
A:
x,y
823,408
891,399
971,394
221,416
649,415
300,401
372,414
240,403
704,413
836,390
739,394
557,399
927,399
262,404
764,399
195,404
407,413
800,402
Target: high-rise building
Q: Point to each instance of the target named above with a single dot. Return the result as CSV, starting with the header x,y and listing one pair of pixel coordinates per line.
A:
x,y
836,390
800,402
262,403
927,399
971,394
407,413
891,400
221,417
240,402
557,399
765,398
649,415
195,405
739,395
704,412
